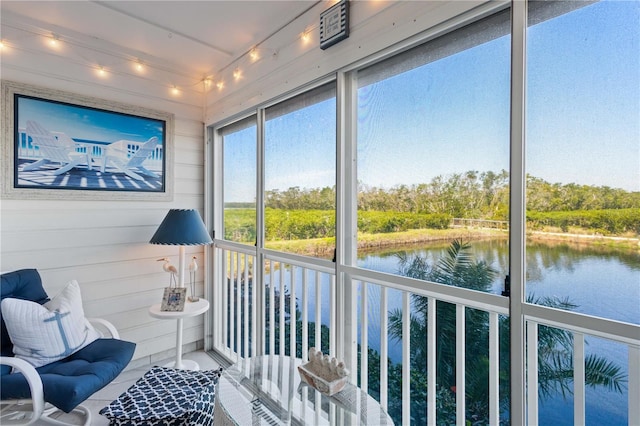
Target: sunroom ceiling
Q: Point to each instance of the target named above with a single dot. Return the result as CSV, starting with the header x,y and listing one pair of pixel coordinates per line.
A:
x,y
190,38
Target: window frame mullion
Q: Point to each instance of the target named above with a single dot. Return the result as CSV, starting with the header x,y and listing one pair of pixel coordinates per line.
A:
x,y
346,217
517,211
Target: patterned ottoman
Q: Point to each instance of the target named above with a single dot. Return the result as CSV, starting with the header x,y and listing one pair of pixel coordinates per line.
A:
x,y
165,396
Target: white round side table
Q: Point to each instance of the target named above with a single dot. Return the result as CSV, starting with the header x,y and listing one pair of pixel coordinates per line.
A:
x,y
191,309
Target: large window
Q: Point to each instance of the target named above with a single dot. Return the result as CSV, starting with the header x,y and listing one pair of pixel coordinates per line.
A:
x,y
300,173
583,180
433,160
239,181
433,152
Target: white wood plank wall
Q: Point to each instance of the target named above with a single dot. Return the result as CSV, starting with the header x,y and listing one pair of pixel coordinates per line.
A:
x,y
104,244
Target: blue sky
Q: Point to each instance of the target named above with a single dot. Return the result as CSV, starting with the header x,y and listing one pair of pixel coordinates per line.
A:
x,y
87,124
584,96
583,107
452,115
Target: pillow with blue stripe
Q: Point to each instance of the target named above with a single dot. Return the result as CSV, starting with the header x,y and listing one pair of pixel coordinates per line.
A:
x,y
42,334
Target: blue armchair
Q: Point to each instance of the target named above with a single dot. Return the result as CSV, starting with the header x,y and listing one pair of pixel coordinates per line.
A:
x,y
60,385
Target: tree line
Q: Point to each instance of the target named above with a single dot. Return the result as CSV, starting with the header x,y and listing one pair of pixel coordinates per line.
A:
x,y
472,194
298,213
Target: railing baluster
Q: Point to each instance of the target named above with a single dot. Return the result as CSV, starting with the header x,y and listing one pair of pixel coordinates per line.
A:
x,y
431,361
460,365
246,307
406,358
494,370
293,333
364,338
254,303
318,330
305,317
578,379
232,309
384,350
223,307
281,316
634,384
272,309
238,345
532,373
317,407
332,316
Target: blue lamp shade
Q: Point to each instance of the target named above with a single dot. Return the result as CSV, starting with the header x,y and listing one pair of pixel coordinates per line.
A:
x,y
182,227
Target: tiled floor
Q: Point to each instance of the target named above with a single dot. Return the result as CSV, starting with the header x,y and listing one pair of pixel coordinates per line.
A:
x,y
127,378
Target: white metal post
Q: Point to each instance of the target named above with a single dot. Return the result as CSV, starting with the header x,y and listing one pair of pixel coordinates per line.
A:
x,y
460,365
431,362
517,211
494,372
578,379
346,218
634,385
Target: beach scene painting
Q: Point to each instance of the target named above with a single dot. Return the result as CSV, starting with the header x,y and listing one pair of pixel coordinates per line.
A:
x,y
65,146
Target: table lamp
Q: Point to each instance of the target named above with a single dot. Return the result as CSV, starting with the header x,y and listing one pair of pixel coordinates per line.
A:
x,y
181,227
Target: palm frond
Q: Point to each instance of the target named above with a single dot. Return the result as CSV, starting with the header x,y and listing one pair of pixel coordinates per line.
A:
x,y
601,372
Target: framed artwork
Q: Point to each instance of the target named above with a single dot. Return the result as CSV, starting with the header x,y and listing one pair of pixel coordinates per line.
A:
x,y
65,146
173,299
334,24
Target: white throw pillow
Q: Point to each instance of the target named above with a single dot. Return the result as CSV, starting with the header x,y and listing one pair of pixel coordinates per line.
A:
x,y
42,334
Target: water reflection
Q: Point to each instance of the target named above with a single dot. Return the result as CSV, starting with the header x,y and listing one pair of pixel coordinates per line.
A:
x,y
603,281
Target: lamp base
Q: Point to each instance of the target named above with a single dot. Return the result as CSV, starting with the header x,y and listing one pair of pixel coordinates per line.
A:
x,y
193,298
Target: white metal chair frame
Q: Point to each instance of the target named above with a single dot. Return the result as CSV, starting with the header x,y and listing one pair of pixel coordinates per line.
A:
x,y
28,411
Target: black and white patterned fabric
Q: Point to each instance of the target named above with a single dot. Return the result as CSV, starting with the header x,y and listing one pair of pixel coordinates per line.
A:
x,y
167,397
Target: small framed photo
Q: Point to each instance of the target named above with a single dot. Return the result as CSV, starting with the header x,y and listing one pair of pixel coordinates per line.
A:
x,y
334,24
173,299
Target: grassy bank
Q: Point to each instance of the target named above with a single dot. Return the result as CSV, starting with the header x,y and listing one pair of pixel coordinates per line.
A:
x,y
323,247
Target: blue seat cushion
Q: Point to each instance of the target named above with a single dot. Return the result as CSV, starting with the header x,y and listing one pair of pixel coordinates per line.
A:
x,y
70,381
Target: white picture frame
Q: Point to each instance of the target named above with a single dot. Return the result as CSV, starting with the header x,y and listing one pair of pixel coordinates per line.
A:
x,y
51,181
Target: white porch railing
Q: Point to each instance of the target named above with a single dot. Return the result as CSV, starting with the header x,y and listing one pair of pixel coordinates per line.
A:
x,y
581,326
289,304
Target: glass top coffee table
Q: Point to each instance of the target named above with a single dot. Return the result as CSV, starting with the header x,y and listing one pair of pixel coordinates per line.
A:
x,y
267,390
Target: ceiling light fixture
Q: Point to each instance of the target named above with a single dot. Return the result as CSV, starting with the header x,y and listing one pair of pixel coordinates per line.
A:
x,y
175,91
102,72
253,54
139,66
53,41
220,85
306,37
237,74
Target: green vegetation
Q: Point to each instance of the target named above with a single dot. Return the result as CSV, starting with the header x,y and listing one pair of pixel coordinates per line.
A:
x,y
605,222
381,222
240,224
307,214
